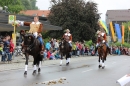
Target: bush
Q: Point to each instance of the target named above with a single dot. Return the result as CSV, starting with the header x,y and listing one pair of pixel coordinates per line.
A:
x,y
119,44
46,40
88,43
126,45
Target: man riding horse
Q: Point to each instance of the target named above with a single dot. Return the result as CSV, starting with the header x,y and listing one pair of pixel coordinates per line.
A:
x,y
101,39
66,47
68,37
35,29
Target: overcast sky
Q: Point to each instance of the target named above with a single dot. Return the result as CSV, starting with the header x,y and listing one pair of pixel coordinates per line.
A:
x,y
103,5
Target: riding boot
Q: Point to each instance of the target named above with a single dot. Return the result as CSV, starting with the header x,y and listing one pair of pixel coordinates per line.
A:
x,y
96,49
109,50
70,48
42,49
22,49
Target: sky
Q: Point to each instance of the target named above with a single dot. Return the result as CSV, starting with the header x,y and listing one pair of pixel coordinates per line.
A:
x,y
103,5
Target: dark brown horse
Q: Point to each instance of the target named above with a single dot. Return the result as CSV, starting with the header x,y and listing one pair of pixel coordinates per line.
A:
x,y
102,51
32,47
65,50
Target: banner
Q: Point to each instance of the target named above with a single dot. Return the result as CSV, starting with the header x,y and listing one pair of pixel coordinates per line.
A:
x,y
112,31
102,23
118,32
123,28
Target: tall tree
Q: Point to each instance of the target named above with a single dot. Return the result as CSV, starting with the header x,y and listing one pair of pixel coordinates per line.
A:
x,y
14,6
77,15
33,4
26,4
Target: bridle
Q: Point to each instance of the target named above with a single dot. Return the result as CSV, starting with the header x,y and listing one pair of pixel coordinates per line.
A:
x,y
30,47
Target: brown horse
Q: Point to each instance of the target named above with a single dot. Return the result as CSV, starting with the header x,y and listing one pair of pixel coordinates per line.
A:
x,y
102,51
32,47
65,50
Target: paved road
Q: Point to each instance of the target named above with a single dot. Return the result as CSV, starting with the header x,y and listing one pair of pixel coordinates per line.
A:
x,y
82,71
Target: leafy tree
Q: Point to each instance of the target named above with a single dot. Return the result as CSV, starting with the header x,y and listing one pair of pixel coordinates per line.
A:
x,y
77,15
14,6
127,31
33,5
26,4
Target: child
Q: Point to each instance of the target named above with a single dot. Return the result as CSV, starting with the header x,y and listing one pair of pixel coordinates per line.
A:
x,y
1,48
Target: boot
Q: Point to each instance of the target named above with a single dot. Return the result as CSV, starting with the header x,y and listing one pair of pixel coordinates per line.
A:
x,y
96,49
109,50
22,49
42,49
70,49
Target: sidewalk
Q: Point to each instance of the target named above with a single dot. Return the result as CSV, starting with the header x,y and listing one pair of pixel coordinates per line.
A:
x,y
19,62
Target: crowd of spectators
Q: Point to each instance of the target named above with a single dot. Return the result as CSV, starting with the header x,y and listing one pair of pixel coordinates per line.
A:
x,y
6,48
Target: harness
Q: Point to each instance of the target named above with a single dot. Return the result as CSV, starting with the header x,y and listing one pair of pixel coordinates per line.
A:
x,y
30,47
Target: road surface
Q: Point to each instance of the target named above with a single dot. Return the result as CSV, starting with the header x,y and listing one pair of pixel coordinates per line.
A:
x,y
78,73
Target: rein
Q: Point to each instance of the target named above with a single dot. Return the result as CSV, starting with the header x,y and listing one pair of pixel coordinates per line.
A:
x,y
30,47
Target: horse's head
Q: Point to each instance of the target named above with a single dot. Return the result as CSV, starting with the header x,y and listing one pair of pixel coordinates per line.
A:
x,y
28,39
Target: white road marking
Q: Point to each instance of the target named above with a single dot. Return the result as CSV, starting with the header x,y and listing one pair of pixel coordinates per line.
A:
x,y
86,70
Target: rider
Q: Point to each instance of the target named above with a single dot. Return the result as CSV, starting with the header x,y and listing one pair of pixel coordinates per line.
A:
x,y
35,29
101,33
67,34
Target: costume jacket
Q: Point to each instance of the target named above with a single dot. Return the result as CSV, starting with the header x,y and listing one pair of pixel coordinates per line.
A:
x,y
68,36
104,38
34,26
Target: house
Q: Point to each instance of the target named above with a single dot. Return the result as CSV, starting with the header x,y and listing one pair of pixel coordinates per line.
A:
x,y
117,16
42,13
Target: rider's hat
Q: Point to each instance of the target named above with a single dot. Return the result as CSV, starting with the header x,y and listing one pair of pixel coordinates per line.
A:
x,y
67,30
98,31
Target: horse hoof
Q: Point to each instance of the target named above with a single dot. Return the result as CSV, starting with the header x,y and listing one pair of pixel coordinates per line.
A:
x,y
25,73
34,72
99,66
67,64
39,70
103,67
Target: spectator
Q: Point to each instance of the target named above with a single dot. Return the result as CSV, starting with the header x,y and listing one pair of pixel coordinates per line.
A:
x,y
6,48
45,54
11,49
56,45
48,46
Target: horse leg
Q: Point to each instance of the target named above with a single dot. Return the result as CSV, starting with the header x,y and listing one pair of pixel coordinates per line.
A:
x,y
61,59
26,64
34,66
100,61
67,59
39,65
103,65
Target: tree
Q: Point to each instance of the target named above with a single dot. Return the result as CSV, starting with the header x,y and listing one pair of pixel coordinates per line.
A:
x,y
127,32
26,4
80,17
14,6
33,5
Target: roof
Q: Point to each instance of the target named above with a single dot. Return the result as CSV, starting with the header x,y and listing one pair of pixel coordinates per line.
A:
x,y
4,26
9,27
43,13
118,15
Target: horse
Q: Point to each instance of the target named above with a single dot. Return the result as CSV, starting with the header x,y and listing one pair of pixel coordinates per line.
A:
x,y
64,48
102,51
32,47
